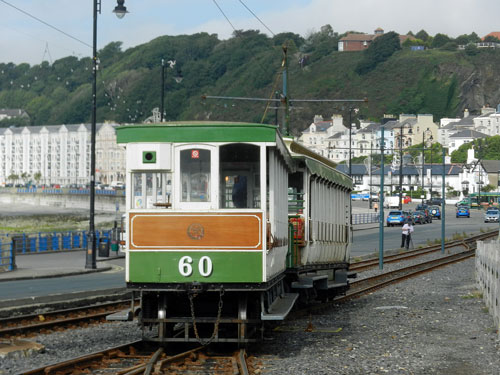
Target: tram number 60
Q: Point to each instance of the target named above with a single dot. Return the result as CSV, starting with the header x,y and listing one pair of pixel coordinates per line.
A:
x,y
204,266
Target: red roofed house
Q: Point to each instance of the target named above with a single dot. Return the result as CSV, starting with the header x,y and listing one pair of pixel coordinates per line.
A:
x,y
359,42
496,34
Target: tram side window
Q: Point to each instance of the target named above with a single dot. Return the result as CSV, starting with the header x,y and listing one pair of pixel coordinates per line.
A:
x,y
239,176
151,190
195,175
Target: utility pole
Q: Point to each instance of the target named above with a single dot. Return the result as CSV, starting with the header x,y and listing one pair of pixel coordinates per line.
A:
x,y
381,199
284,98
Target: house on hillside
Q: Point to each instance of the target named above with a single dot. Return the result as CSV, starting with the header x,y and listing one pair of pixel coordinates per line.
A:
x,y
316,134
495,34
13,113
360,42
462,137
492,170
465,123
488,122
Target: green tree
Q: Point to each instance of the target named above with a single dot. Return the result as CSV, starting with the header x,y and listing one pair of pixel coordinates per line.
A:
x,y
379,51
422,34
13,177
485,149
37,177
440,40
471,49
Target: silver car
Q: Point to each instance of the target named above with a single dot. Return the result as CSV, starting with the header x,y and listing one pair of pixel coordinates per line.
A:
x,y
491,216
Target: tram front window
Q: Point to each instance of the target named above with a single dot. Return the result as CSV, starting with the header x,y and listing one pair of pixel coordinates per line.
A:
x,y
239,176
195,175
151,190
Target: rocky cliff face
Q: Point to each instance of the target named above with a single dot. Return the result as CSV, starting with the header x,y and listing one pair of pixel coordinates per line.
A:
x,y
478,80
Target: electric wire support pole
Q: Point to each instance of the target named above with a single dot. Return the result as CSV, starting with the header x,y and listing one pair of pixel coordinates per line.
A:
x,y
381,199
285,100
443,192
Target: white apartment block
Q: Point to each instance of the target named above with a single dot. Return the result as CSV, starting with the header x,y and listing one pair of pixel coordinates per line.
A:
x,y
60,154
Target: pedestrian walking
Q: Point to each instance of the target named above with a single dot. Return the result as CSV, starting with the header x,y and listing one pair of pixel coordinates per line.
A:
x,y
406,232
375,207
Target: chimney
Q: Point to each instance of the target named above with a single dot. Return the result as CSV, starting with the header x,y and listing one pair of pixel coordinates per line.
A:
x,y
466,113
470,155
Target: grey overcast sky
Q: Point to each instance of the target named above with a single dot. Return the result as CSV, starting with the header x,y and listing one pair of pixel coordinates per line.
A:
x,y
23,39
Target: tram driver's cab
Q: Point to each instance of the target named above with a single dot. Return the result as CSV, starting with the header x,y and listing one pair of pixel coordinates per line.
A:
x,y
195,176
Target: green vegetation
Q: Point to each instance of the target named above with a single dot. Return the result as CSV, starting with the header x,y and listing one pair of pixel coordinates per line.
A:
x,y
394,80
47,223
485,149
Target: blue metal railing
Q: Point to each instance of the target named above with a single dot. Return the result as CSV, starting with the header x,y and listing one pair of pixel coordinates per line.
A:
x,y
7,256
365,218
26,243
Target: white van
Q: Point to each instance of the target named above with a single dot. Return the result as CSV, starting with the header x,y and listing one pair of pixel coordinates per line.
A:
x,y
117,185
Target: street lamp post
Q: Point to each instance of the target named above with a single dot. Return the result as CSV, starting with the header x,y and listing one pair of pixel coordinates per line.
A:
x,y
350,138
178,78
423,159
401,128
120,11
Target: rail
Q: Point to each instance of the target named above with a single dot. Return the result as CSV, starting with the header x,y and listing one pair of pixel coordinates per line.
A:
x,y
64,191
365,218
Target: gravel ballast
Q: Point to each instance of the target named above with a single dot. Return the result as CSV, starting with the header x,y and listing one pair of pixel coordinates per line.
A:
x,y
432,324
436,323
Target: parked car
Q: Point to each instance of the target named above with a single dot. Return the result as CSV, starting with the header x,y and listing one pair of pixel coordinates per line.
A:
x,y
419,217
463,202
491,216
426,211
463,211
422,207
398,218
435,212
435,202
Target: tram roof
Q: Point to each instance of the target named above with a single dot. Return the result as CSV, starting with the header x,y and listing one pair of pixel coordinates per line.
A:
x,y
197,131
319,165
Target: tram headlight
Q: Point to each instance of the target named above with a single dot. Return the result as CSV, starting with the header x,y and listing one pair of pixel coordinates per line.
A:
x,y
149,157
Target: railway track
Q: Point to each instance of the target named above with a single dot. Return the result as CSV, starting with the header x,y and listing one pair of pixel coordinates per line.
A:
x,y
370,284
374,262
141,357
26,325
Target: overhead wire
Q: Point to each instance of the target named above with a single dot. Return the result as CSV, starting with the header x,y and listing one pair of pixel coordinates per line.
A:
x,y
258,19
45,23
237,34
224,14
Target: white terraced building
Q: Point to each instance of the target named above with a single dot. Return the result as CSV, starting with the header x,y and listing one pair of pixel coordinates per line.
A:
x,y
59,154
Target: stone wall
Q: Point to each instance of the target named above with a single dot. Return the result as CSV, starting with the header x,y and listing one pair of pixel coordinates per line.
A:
x,y
103,203
487,276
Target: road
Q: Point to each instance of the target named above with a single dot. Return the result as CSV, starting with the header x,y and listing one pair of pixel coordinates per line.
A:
x,y
367,241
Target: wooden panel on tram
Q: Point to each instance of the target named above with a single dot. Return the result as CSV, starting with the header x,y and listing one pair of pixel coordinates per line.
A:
x,y
196,231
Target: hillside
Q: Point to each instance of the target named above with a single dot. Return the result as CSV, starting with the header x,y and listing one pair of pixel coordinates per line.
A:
x,y
437,81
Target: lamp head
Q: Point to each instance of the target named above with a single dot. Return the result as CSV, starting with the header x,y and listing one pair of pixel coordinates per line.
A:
x,y
120,10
